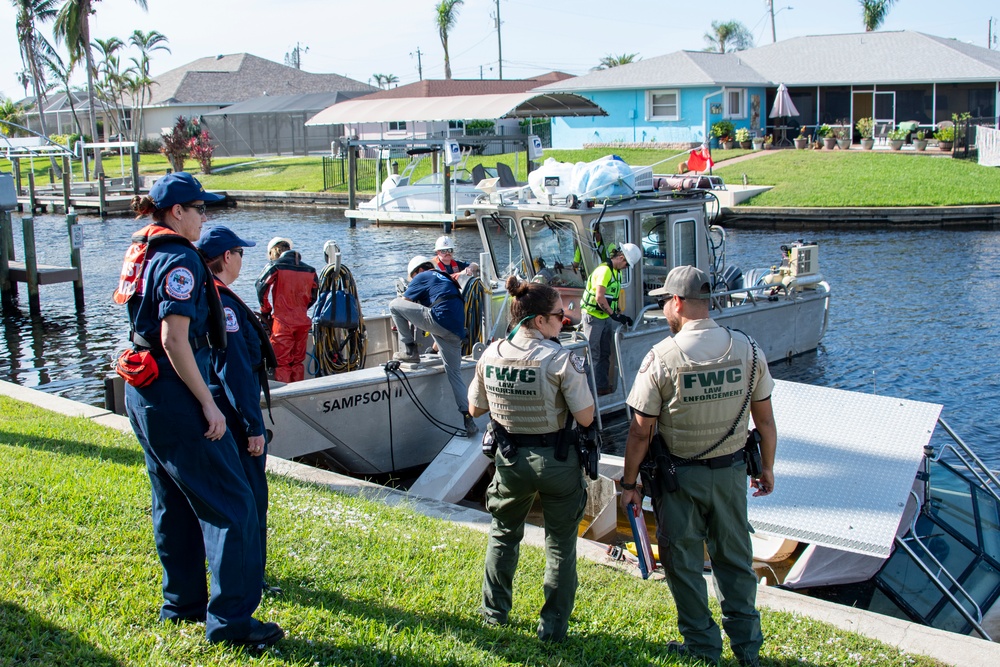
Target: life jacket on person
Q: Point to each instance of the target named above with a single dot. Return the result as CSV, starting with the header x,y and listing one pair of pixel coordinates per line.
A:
x,y
449,268
268,359
611,292
145,242
288,299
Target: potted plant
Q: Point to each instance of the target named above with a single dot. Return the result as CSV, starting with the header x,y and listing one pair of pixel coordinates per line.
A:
x,y
866,128
897,138
723,131
758,143
825,132
802,140
920,140
743,136
769,142
844,135
945,137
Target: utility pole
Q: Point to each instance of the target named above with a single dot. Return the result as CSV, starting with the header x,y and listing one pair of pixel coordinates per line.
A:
x,y
294,59
420,67
499,42
774,34
991,38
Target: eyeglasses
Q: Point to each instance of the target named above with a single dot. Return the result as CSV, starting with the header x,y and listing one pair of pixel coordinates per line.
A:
x,y
238,251
201,208
447,251
662,301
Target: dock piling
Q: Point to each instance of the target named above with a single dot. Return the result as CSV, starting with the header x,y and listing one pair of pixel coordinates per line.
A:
x,y
31,265
6,255
32,203
102,195
75,243
65,183
352,181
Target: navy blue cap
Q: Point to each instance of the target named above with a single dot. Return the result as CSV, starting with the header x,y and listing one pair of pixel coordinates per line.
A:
x,y
216,240
179,187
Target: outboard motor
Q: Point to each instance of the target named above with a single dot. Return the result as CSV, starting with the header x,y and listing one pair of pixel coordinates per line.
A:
x,y
732,277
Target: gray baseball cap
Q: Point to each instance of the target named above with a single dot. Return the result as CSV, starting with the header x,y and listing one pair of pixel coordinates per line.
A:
x,y
688,282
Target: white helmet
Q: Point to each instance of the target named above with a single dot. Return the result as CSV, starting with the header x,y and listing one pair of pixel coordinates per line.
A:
x,y
415,263
278,239
443,243
631,252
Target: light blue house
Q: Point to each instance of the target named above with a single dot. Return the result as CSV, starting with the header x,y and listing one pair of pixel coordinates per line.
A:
x,y
832,79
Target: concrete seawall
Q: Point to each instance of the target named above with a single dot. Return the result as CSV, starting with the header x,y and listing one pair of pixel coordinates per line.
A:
x,y
947,647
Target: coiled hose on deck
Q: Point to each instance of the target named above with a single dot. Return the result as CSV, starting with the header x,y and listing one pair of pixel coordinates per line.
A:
x,y
339,350
474,294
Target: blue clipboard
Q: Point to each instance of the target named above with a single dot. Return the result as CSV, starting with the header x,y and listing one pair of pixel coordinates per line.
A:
x,y
641,536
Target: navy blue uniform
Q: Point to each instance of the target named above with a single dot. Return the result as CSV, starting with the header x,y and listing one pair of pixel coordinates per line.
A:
x,y
435,290
235,384
202,505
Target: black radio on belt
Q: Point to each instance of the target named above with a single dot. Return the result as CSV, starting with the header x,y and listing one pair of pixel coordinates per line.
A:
x,y
751,451
496,437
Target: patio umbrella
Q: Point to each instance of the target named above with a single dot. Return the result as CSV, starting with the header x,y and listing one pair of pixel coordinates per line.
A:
x,y
783,107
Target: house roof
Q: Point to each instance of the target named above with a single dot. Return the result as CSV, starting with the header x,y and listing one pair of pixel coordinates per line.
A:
x,y
452,87
897,57
456,107
224,80
681,68
307,103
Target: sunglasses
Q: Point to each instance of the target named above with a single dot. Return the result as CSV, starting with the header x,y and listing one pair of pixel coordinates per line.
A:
x,y
560,314
447,251
201,208
238,251
662,301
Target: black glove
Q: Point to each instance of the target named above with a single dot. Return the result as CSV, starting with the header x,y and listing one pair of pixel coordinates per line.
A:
x,y
621,318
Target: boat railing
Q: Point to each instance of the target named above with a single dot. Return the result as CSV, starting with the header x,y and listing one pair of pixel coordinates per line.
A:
x,y
987,479
975,622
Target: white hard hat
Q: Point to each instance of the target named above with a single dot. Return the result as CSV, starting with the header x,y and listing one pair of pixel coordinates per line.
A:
x,y
631,252
414,263
276,240
443,243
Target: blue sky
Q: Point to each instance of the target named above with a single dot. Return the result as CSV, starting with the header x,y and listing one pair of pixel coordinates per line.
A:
x,y
358,38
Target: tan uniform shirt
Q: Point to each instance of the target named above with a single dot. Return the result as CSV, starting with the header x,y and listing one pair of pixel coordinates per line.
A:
x,y
696,383
529,383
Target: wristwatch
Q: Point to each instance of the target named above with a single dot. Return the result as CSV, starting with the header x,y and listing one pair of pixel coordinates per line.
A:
x,y
627,487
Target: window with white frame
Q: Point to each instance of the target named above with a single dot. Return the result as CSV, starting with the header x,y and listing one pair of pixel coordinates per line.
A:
x,y
736,103
397,125
663,105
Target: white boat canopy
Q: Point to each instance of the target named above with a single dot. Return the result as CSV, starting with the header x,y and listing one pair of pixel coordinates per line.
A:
x,y
457,107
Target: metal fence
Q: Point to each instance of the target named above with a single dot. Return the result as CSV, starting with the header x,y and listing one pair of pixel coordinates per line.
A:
x,y
966,136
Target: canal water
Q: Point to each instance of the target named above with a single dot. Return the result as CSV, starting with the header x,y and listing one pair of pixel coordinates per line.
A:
x,y
914,314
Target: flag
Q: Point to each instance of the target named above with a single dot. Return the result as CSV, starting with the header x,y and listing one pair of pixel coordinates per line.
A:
x,y
700,159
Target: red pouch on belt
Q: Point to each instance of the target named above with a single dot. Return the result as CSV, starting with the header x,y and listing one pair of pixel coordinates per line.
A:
x,y
137,367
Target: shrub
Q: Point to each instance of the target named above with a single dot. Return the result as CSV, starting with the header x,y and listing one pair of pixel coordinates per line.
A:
x,y
824,131
742,135
147,145
898,134
945,134
723,130
866,127
201,149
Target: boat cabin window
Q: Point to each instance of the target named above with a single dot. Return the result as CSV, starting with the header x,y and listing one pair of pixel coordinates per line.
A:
x,y
504,247
665,244
608,235
553,247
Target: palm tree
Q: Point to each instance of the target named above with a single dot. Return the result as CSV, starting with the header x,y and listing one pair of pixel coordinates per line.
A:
x,y
873,13
609,61
146,43
10,112
73,26
728,36
447,15
34,48
61,73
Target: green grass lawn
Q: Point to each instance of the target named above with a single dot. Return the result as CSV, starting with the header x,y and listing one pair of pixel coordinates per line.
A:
x,y
364,584
799,178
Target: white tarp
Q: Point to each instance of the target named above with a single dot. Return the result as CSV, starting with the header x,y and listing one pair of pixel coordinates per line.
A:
x,y
458,107
988,146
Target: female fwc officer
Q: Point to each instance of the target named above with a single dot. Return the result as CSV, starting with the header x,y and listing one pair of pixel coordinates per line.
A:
x,y
202,505
528,384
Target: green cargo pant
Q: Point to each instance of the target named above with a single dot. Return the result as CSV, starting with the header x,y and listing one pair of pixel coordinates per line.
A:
x,y
563,492
710,507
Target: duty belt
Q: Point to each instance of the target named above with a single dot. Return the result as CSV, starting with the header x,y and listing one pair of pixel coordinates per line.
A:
x,y
141,343
534,440
714,462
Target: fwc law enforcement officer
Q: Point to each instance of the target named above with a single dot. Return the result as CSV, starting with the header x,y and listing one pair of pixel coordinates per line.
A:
x,y
202,505
600,308
529,384
695,389
239,370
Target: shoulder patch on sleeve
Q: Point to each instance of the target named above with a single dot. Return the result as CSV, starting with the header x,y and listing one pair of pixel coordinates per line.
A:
x,y
577,362
646,361
180,283
232,324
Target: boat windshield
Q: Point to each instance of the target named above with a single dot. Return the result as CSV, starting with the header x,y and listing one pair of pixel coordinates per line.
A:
x,y
552,245
504,247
